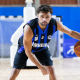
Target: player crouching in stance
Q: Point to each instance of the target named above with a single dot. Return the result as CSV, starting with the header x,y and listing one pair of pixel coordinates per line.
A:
x,y
33,43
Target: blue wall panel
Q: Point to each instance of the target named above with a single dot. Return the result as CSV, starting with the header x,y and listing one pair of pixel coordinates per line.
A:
x,y
7,11
71,19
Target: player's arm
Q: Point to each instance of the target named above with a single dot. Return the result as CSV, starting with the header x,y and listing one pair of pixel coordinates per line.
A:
x,y
68,31
27,41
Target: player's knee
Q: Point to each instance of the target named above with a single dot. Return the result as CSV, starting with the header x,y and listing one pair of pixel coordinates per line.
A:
x,y
51,69
14,74
16,70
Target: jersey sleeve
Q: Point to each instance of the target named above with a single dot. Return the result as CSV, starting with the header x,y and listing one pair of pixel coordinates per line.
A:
x,y
32,23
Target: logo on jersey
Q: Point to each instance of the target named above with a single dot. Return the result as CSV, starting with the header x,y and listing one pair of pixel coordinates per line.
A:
x,y
36,37
42,37
49,37
40,45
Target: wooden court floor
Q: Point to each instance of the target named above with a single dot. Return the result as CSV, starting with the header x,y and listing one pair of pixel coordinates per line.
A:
x,y
65,69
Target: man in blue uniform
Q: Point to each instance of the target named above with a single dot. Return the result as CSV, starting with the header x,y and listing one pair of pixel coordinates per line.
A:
x,y
33,42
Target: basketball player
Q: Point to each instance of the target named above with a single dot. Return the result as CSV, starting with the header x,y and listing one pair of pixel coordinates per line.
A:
x,y
33,42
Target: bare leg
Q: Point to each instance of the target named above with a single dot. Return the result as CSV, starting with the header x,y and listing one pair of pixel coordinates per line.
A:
x,y
14,74
52,73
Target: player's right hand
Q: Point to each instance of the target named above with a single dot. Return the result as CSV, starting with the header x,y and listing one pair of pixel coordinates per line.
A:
x,y
44,70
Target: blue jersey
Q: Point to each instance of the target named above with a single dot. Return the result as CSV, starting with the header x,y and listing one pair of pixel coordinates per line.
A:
x,y
41,38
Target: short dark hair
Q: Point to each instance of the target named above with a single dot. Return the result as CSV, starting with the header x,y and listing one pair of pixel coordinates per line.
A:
x,y
44,9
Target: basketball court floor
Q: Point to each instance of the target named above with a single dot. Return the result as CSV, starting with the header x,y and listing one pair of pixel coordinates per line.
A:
x,y
65,69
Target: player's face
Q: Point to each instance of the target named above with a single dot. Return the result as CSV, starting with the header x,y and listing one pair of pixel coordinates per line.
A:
x,y
44,18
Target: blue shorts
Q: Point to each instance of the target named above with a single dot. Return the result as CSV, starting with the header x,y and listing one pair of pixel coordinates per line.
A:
x,y
44,57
